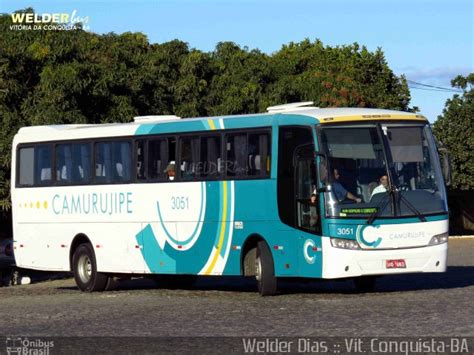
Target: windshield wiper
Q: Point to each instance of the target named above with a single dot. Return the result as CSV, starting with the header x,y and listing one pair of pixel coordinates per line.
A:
x,y
411,207
384,201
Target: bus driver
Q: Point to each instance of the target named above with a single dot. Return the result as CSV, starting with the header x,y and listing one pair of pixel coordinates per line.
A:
x,y
340,192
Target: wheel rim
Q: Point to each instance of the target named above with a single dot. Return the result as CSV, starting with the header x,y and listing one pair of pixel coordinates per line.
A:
x,y
258,269
84,268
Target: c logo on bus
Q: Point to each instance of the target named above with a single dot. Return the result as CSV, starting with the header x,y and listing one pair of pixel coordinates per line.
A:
x,y
309,245
360,237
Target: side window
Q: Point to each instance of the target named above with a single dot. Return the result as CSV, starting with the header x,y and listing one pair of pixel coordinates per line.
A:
x,y
236,155
63,163
122,161
140,155
306,197
248,154
210,165
43,165
103,162
161,159
258,154
113,161
189,157
81,163
73,163
26,158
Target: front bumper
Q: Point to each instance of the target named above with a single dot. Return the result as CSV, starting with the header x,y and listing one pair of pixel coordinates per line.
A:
x,y
339,263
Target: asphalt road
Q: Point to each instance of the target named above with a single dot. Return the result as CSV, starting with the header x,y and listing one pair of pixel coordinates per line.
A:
x,y
403,305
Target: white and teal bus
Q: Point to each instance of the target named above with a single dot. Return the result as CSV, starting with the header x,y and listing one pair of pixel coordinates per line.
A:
x,y
295,192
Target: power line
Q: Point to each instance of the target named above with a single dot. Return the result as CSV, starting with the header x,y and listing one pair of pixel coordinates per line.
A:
x,y
423,86
430,86
429,89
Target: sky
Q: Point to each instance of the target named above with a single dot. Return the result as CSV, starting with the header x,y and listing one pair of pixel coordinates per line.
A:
x,y
429,41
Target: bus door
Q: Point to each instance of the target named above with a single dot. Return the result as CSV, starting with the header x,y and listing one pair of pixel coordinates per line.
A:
x,y
307,210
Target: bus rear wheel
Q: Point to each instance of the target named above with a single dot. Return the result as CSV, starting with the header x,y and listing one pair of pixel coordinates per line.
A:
x,y
265,270
85,270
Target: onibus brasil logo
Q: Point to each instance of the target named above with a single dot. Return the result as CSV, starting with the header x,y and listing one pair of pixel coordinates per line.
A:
x,y
20,346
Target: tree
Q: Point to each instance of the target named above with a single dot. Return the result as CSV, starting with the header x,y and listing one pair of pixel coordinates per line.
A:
x,y
239,79
455,130
335,76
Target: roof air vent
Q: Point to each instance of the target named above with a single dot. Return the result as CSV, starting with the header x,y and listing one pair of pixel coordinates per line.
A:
x,y
291,106
150,119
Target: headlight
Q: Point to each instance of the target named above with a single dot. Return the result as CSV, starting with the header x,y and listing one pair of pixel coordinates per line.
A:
x,y
439,239
344,243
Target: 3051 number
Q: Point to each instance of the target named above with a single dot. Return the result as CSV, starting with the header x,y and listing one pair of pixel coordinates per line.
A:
x,y
179,203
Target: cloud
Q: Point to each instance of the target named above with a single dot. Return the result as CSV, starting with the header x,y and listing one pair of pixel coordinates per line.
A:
x,y
440,76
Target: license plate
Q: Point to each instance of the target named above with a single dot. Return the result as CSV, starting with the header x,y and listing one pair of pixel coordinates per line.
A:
x,y
395,264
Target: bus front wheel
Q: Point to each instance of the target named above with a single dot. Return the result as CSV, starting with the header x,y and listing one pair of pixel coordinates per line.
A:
x,y
265,270
85,270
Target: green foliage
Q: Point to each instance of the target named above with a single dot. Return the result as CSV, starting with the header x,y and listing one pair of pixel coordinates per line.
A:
x,y
57,77
455,130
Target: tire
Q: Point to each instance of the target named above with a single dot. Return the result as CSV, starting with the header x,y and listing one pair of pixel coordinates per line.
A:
x,y
365,284
85,270
265,270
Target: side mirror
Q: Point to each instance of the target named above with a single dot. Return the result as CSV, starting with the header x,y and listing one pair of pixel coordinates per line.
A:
x,y
445,165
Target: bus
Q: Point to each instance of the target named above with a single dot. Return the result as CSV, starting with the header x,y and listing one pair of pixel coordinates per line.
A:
x,y
298,191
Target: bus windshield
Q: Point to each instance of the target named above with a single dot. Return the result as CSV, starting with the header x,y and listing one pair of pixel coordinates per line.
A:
x,y
390,170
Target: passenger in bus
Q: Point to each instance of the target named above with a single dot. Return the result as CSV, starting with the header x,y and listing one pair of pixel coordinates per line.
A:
x,y
63,173
313,210
382,187
119,170
340,192
171,171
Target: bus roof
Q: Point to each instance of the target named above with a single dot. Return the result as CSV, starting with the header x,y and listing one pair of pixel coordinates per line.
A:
x,y
350,114
321,115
